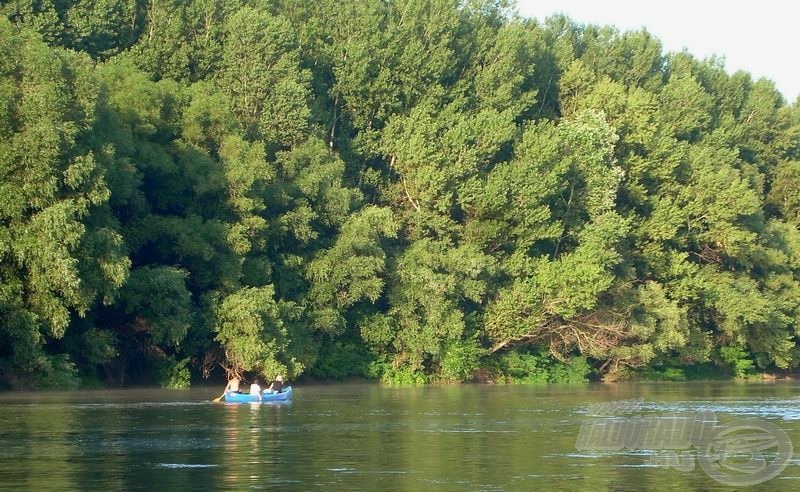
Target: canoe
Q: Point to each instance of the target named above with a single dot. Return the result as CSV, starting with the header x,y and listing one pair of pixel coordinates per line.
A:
x,y
284,395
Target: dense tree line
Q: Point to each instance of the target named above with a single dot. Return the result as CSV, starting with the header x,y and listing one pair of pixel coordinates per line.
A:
x,y
401,189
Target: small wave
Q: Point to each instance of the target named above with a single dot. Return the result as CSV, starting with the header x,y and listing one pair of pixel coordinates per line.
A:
x,y
468,431
781,408
184,465
143,404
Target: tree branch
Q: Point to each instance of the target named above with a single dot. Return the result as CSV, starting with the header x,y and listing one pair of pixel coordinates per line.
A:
x,y
413,202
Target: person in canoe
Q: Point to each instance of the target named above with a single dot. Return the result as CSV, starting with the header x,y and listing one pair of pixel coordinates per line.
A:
x,y
276,386
255,388
233,385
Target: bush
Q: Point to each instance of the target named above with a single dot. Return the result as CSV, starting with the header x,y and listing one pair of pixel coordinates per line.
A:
x,y
524,368
56,372
575,370
174,374
536,367
655,374
402,376
460,360
701,371
739,360
342,359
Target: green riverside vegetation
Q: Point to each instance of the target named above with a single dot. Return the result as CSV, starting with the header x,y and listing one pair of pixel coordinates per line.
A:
x,y
412,191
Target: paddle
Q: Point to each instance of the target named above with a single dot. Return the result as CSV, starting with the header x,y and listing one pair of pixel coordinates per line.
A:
x,y
219,398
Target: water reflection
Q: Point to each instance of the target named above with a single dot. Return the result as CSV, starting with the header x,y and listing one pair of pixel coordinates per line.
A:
x,y
359,437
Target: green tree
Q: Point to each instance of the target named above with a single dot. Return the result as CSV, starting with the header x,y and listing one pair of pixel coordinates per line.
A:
x,y
260,71
61,249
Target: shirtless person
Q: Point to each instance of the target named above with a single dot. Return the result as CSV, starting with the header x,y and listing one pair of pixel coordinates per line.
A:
x,y
233,385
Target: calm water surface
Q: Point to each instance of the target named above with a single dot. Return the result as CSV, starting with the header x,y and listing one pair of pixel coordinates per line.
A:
x,y
361,437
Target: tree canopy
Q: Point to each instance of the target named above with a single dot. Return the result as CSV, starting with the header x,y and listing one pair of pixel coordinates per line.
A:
x,y
410,190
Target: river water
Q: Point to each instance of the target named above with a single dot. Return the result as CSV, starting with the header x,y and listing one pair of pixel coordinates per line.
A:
x,y
368,437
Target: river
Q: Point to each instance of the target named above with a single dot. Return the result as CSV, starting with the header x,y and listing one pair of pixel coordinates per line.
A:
x,y
369,437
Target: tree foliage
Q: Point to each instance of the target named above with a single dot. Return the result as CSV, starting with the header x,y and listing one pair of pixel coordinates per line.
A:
x,y
411,190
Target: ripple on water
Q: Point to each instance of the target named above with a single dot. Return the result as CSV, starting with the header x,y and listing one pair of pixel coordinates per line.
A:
x,y
143,404
782,408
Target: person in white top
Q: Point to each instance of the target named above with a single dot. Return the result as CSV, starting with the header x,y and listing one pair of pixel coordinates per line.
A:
x,y
255,388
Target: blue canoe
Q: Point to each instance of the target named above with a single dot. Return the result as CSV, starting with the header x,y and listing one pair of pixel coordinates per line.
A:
x,y
284,395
